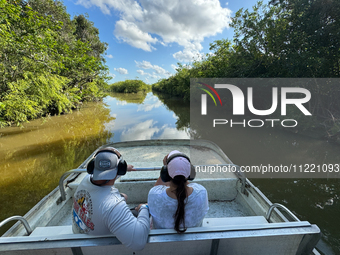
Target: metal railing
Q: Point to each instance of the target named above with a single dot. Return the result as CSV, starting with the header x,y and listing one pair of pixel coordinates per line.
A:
x,y
83,170
75,171
61,183
19,218
285,209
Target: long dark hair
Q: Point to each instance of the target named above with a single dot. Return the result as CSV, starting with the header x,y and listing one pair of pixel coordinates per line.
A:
x,y
181,194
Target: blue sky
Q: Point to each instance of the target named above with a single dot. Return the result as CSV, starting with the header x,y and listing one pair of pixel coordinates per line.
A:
x,y
147,39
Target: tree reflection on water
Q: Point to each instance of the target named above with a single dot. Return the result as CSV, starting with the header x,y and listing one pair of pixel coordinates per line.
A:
x,y
36,155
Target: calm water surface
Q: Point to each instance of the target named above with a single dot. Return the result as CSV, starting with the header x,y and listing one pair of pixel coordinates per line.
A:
x,y
34,157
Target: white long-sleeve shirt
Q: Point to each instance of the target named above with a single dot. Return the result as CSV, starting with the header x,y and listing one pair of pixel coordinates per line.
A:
x,y
101,210
162,207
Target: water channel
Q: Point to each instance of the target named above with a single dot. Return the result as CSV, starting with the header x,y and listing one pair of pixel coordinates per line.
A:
x,y
36,155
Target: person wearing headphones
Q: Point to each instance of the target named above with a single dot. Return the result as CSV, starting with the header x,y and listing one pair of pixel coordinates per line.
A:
x,y
173,201
99,208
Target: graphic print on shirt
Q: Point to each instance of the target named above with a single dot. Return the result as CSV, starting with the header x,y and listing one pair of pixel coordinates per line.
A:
x,y
82,211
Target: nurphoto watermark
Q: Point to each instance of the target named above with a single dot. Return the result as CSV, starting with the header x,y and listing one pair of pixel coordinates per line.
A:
x,y
224,109
238,102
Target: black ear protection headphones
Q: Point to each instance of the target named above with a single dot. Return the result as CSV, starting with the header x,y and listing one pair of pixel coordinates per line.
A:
x,y
164,171
122,166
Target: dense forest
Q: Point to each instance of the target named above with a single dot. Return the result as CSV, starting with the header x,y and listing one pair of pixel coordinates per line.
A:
x,y
282,39
49,63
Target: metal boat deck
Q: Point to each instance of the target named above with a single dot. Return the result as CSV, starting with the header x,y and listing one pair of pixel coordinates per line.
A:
x,y
241,220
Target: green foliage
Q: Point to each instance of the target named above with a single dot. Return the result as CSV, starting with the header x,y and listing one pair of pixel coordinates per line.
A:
x,y
35,96
179,107
134,98
287,38
130,86
45,67
86,32
63,143
177,85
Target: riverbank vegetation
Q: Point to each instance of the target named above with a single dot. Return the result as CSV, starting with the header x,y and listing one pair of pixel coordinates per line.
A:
x,y
49,63
284,39
135,98
130,86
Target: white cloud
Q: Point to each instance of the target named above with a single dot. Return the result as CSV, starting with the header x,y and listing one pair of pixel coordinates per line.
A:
x,y
112,75
147,130
158,70
125,6
149,107
121,103
186,23
141,72
183,66
188,55
109,56
174,67
144,64
153,75
141,131
128,32
173,133
121,70
109,99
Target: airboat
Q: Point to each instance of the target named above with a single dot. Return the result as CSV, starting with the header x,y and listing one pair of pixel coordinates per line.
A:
x,y
240,220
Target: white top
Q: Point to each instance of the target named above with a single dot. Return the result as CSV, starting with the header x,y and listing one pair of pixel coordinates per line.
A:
x,y
101,210
163,208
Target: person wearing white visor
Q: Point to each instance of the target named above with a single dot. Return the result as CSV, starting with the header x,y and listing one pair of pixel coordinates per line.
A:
x,y
173,201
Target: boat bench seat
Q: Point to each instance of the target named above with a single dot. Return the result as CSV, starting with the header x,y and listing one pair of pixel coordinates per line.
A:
x,y
227,221
237,235
208,224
